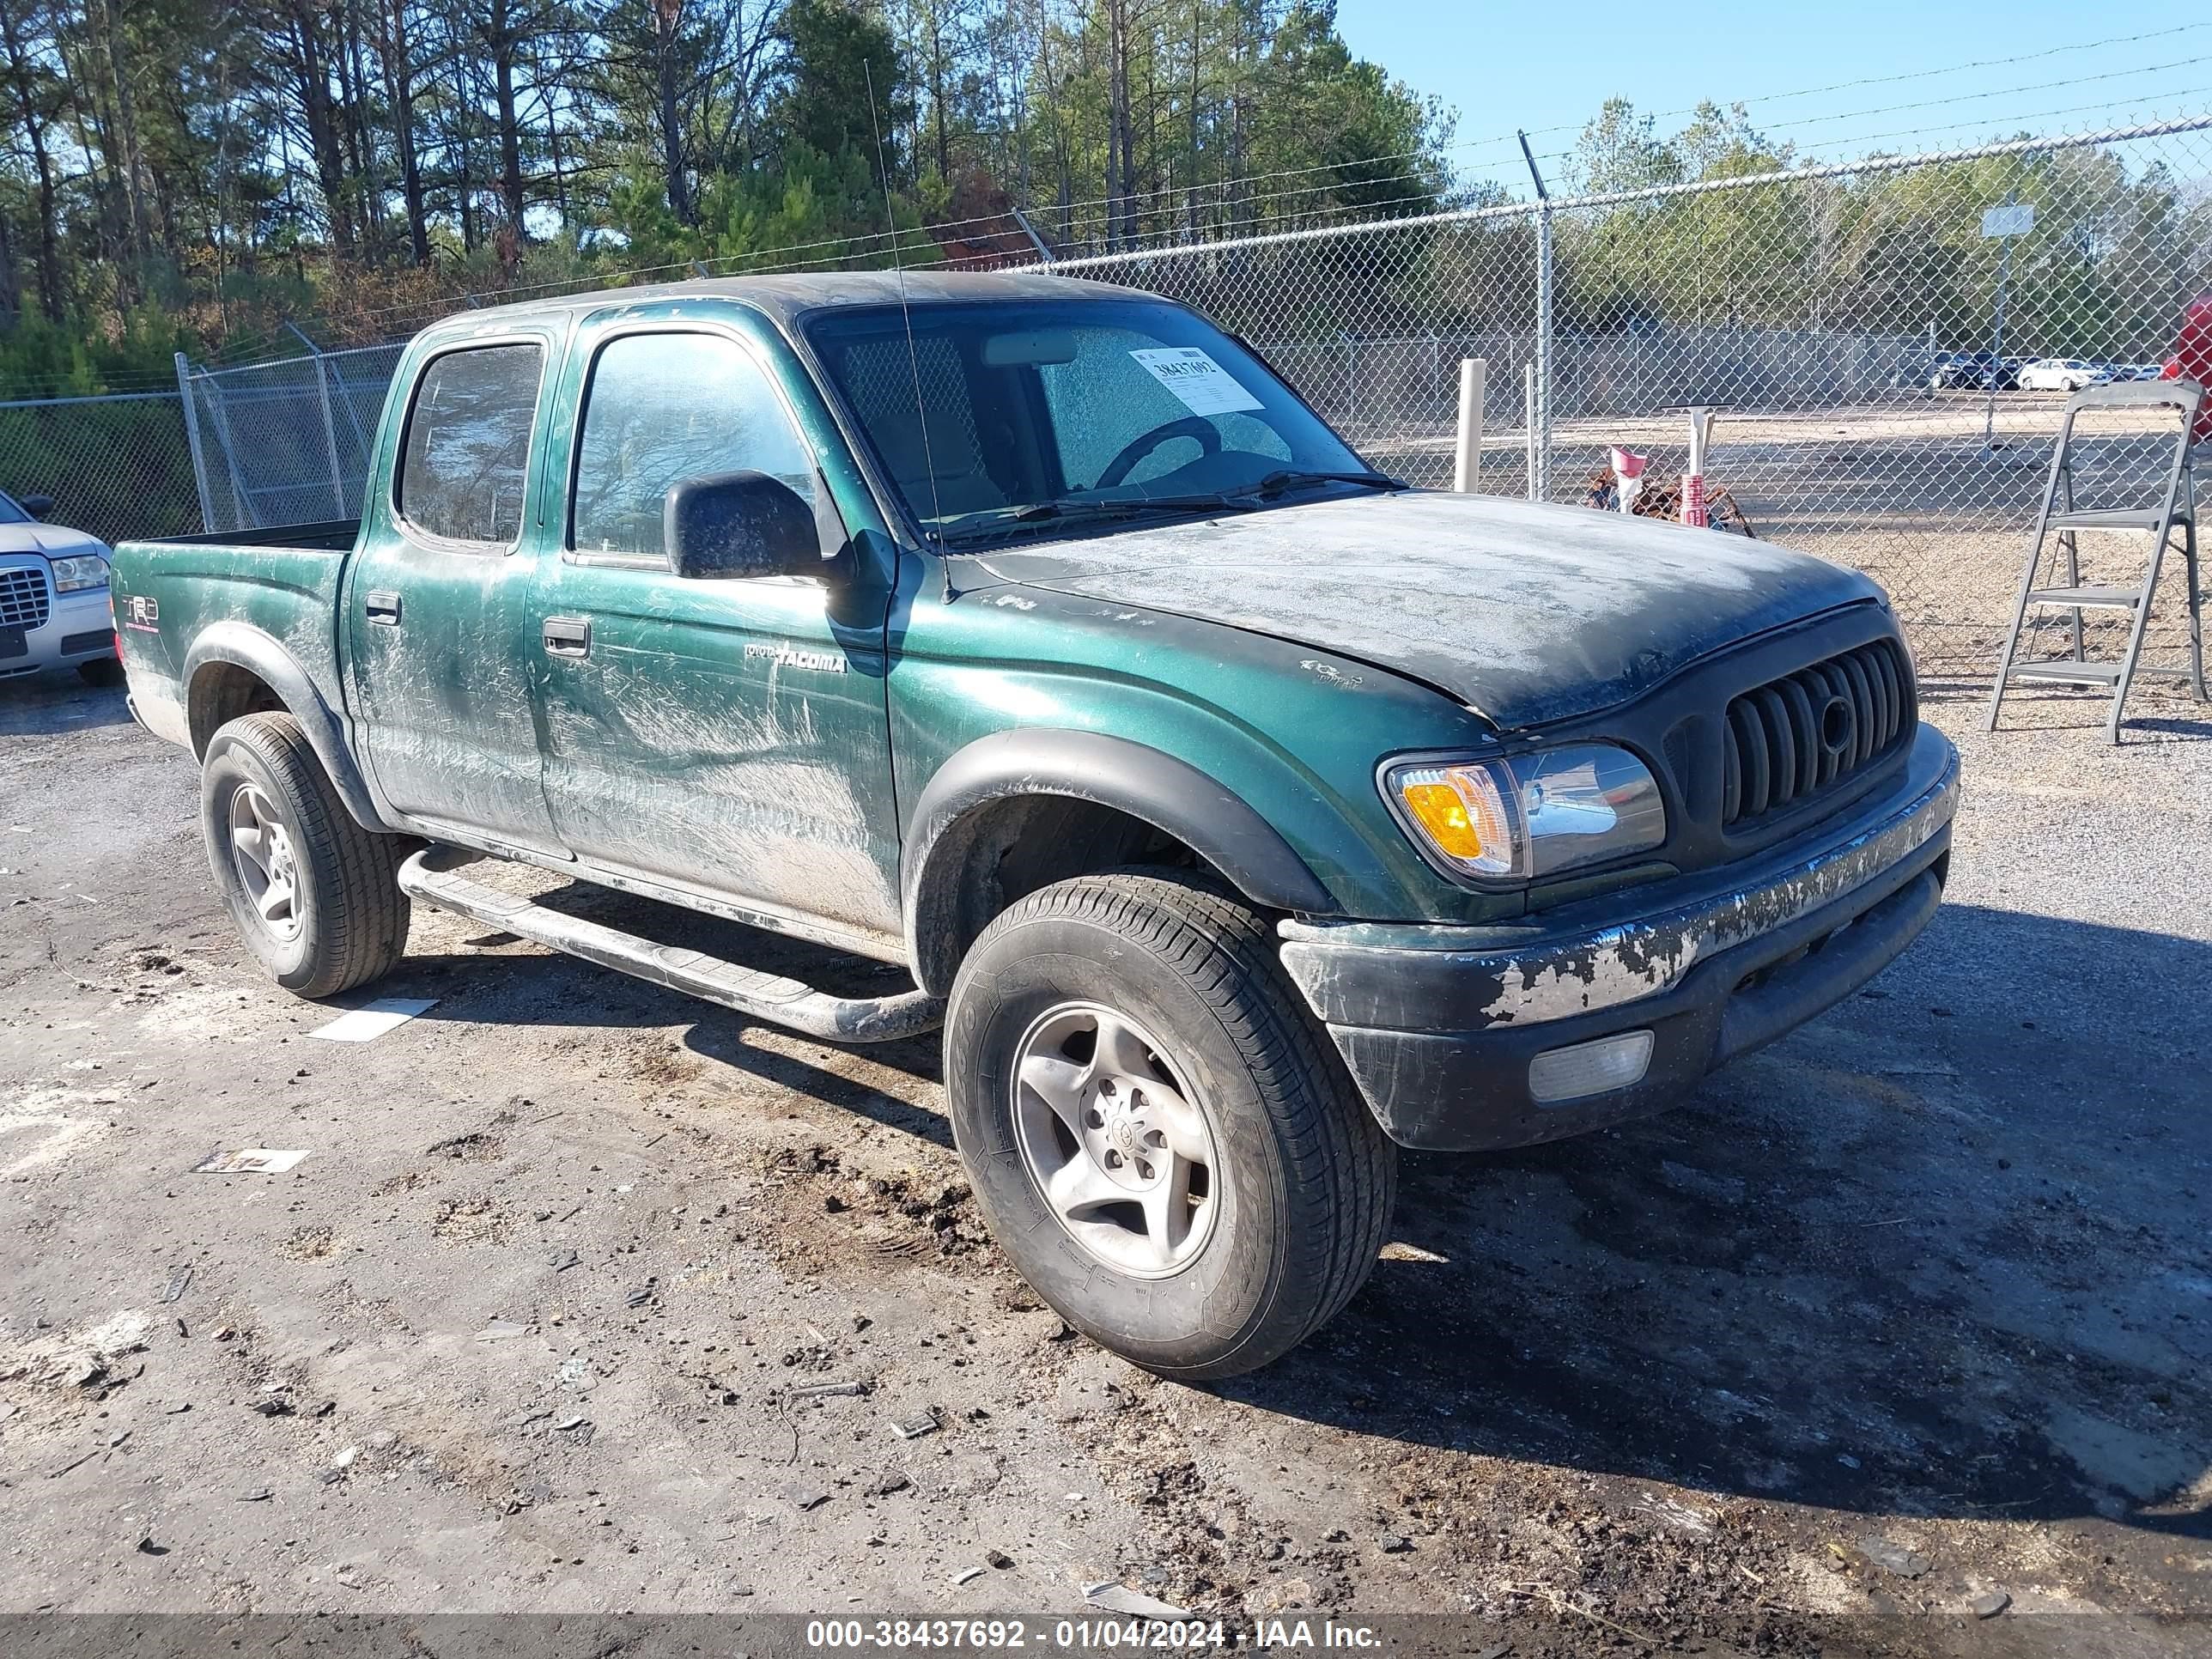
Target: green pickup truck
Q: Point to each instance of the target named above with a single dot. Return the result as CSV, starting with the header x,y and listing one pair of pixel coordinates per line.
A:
x,y
1241,813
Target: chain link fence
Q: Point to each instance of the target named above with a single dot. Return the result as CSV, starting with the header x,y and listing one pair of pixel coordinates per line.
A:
x,y
1889,358
285,442
1879,361
115,466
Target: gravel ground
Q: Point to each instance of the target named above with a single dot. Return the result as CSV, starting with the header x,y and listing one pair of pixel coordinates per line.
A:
x,y
1911,1309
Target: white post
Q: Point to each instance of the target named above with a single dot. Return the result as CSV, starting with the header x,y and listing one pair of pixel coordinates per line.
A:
x,y
1472,373
1529,421
1693,480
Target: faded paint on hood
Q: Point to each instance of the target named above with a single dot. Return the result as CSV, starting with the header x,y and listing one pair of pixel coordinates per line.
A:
x,y
1527,614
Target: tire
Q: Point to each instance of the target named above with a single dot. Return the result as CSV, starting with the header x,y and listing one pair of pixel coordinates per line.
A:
x,y
1286,1222
342,920
101,671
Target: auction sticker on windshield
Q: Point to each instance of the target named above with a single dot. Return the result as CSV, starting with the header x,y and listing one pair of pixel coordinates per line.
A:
x,y
1203,385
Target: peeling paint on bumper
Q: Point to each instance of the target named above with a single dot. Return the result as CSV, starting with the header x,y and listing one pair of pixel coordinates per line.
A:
x,y
1438,1024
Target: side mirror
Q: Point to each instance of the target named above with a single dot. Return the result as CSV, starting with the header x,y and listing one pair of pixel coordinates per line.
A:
x,y
729,526
37,506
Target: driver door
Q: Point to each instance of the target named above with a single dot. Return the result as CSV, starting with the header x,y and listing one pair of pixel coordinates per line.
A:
x,y
730,735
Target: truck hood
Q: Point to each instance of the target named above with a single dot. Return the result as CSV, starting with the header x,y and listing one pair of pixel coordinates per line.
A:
x,y
1526,613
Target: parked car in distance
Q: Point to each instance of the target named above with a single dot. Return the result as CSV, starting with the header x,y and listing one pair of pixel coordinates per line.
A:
x,y
1031,636
2138,371
53,596
2062,374
1978,371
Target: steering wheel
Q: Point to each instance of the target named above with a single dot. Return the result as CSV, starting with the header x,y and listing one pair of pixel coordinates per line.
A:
x,y
1195,427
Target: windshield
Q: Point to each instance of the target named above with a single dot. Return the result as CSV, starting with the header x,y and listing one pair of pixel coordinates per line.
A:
x,y
1039,412
11,514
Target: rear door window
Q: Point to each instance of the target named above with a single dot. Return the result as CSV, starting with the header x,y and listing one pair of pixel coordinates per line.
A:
x,y
662,408
466,456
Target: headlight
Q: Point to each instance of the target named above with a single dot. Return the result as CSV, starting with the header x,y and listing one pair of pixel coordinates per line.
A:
x,y
1534,815
78,572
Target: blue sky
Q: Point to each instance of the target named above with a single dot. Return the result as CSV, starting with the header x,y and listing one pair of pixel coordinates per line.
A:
x,y
1547,69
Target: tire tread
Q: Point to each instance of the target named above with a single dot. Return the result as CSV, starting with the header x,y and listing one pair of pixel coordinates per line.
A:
x,y
364,932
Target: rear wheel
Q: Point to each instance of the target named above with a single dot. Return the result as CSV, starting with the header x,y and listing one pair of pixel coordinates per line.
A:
x,y
314,895
1158,1133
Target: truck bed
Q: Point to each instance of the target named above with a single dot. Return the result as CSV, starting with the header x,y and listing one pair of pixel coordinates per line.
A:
x,y
246,596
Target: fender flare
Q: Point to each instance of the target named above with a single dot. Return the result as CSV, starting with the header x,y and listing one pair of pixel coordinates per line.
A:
x,y
1170,794
243,646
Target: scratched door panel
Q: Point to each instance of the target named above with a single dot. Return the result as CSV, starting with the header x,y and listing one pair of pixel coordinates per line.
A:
x,y
441,640
727,733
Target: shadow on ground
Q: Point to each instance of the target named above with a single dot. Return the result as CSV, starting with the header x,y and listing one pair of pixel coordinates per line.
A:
x,y
1942,1257
41,705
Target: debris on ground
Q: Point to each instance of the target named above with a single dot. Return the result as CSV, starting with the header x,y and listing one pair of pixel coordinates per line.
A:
x,y
179,1281
500,1329
858,1385
913,1428
1120,1598
966,1574
249,1160
999,1558
1891,1556
374,1019
1990,1605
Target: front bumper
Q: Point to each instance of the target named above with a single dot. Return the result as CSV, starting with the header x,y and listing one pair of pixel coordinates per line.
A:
x,y
1438,1024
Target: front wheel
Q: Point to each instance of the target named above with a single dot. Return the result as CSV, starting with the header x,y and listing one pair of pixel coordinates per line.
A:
x,y
1156,1131
315,897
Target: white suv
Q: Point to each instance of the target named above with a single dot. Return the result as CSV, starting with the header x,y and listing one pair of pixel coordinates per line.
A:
x,y
2060,374
53,597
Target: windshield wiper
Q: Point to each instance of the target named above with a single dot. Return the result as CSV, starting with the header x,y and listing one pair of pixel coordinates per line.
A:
x,y
999,521
1289,478
1002,521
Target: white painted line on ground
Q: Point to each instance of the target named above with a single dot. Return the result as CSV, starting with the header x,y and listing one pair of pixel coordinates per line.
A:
x,y
375,1019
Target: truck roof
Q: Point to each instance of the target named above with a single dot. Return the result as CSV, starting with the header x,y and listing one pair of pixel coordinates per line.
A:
x,y
787,297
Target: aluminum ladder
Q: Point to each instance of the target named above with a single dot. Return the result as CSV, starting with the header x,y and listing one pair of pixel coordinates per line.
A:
x,y
2063,516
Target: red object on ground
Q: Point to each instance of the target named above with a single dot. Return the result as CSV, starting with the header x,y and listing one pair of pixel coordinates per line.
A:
x,y
2192,359
1694,499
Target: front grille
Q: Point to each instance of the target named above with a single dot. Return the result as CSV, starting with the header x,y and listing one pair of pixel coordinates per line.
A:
x,y
23,598
1796,737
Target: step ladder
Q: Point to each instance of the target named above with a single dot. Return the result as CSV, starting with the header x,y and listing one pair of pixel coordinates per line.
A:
x,y
2063,517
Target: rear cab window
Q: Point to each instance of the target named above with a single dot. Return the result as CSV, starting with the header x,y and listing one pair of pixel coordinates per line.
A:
x,y
465,462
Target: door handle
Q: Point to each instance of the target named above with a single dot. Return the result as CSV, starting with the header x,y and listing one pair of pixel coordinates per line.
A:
x,y
568,636
382,608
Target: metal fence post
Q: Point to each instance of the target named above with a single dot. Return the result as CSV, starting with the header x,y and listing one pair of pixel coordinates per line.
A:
x,y
1540,449
1528,424
244,515
330,426
193,441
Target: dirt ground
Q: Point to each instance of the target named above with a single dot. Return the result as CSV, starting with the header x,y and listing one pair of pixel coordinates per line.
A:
x,y
1911,1309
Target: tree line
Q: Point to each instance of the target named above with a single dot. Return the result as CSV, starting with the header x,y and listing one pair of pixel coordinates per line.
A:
x,y
197,173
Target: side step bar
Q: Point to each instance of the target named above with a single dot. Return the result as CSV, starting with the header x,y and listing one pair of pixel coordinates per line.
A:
x,y
747,991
